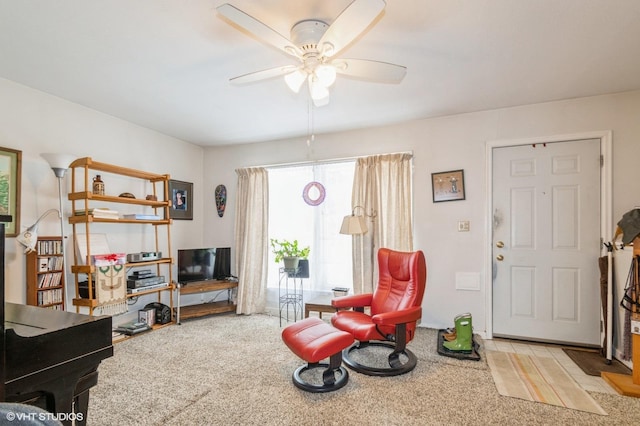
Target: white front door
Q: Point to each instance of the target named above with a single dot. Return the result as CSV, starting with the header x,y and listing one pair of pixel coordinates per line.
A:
x,y
546,241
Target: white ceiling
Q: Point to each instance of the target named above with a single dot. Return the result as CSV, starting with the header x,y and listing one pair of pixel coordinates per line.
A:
x,y
166,64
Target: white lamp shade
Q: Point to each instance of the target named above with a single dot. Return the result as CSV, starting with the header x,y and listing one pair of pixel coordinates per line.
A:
x,y
353,225
59,162
295,79
29,237
326,74
322,101
317,89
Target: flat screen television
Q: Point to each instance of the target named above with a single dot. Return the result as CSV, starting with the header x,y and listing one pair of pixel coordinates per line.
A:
x,y
201,264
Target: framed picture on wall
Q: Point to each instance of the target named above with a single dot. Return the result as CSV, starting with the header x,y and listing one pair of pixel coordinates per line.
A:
x,y
10,172
448,186
181,194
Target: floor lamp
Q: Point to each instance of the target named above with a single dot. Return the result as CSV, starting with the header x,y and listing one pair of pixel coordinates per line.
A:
x,y
59,163
29,237
357,225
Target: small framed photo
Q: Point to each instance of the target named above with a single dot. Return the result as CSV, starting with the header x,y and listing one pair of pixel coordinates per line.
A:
x,y
448,186
10,172
181,194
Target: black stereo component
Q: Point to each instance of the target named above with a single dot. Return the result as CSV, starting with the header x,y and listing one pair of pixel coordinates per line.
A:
x,y
145,282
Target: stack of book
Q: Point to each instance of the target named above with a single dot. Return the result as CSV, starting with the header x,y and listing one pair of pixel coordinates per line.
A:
x,y
139,216
132,327
101,213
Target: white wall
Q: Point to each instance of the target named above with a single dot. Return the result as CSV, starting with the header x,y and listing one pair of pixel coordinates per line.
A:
x,y
35,123
448,143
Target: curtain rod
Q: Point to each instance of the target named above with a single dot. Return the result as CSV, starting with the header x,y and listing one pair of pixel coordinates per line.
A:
x,y
335,160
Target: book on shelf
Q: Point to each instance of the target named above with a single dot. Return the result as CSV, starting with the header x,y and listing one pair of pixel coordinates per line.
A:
x,y
43,264
46,247
49,297
139,216
52,279
101,213
47,264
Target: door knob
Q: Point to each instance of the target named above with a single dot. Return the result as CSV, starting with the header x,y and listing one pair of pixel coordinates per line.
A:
x,y
499,244
500,258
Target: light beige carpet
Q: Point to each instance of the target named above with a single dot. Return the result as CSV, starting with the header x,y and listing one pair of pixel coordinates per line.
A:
x,y
235,370
538,379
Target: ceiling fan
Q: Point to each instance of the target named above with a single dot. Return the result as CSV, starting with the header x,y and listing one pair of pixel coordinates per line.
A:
x,y
315,43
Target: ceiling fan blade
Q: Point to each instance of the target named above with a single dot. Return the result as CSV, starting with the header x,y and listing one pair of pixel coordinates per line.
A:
x,y
349,24
259,29
363,69
263,75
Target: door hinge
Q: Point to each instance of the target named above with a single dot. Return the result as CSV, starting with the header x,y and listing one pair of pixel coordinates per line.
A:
x,y
601,160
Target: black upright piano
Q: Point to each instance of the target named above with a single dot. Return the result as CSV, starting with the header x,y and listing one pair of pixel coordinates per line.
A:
x,y
50,358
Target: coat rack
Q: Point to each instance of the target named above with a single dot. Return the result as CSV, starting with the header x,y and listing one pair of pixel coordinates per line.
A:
x,y
622,383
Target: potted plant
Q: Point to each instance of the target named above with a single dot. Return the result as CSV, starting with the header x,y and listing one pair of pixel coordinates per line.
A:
x,y
289,251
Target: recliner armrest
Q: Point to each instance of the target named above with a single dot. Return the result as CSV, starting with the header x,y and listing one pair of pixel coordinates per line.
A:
x,y
353,301
398,317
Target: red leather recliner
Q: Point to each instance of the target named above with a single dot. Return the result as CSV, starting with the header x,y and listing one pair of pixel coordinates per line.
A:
x,y
394,310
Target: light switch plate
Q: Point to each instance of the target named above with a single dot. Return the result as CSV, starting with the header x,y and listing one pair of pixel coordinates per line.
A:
x,y
468,281
463,226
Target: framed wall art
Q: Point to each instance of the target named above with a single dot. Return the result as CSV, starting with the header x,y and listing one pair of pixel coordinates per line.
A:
x,y
181,194
10,172
448,186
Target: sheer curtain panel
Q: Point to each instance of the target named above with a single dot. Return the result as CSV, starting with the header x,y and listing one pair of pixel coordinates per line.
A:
x,y
383,186
252,239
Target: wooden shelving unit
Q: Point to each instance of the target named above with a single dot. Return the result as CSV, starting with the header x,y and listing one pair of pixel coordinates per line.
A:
x,y
83,200
202,309
45,274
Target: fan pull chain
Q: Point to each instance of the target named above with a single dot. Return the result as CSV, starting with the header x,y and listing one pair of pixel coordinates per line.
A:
x,y
311,137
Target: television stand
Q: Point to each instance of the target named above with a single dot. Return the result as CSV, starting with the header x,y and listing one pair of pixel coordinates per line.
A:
x,y
203,309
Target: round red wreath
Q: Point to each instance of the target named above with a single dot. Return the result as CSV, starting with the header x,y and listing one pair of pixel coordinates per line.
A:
x,y
321,195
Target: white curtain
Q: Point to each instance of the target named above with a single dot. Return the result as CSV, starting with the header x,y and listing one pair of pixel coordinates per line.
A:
x,y
252,239
382,186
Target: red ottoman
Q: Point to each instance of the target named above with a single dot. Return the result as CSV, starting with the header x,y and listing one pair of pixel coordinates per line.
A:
x,y
314,340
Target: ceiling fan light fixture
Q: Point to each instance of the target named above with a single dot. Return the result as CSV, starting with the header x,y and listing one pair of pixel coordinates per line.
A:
x,y
317,90
315,43
322,101
295,80
326,74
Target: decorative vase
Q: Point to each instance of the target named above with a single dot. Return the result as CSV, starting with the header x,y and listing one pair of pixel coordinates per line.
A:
x,y
291,263
98,185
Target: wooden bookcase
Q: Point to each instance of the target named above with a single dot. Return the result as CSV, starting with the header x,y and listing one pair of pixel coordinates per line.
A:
x,y
45,274
83,202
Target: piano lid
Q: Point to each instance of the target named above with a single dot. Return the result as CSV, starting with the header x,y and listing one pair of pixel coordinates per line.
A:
x,y
30,321
39,339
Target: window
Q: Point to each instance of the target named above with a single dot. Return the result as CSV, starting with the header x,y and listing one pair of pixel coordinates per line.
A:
x,y
291,218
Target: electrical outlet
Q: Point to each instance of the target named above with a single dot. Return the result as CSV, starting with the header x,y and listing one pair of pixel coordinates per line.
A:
x,y
463,226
